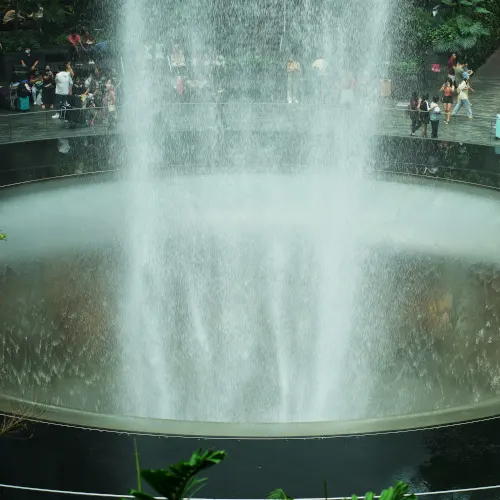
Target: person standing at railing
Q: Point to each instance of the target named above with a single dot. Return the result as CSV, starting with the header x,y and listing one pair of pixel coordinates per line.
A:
x,y
63,83
424,113
109,103
447,89
320,68
75,44
48,88
88,42
434,116
463,96
292,84
36,84
413,113
28,61
178,68
23,96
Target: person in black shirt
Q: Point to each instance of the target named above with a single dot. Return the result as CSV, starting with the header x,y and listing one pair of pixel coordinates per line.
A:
x,y
48,88
28,61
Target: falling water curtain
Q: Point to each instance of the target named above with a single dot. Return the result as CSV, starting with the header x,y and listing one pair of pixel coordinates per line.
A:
x,y
284,25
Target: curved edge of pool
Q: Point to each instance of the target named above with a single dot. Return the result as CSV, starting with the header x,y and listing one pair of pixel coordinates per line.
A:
x,y
69,417
138,425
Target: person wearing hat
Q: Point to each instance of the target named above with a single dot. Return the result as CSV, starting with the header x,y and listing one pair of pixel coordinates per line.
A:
x,y
463,95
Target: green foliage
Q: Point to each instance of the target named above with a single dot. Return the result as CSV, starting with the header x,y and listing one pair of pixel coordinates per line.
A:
x,y
180,480
278,494
18,41
462,26
469,27
59,39
458,33
406,67
3,236
396,492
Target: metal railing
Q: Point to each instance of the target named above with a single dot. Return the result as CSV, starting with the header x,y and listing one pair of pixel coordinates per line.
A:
x,y
22,127
451,493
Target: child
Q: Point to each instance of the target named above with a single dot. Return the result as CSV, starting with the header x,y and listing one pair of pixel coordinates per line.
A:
x,y
36,83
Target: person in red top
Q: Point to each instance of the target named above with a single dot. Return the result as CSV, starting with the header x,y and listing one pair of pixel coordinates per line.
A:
x,y
75,44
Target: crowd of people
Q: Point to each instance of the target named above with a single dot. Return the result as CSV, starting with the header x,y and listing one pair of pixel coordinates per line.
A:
x,y
196,78
51,89
206,76
78,83
423,112
54,89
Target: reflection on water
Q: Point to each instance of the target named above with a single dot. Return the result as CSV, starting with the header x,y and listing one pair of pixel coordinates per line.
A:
x,y
429,324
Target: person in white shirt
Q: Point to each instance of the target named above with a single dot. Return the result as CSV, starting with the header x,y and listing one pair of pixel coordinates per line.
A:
x,y
434,116
320,68
63,83
463,95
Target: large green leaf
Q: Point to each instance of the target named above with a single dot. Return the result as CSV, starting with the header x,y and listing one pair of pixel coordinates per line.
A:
x,y
397,492
467,42
179,481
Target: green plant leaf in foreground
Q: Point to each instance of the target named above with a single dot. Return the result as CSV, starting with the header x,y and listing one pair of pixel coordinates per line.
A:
x,y
3,236
278,494
396,492
179,481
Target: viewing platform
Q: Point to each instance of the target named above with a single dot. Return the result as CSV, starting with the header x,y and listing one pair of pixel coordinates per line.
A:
x,y
307,118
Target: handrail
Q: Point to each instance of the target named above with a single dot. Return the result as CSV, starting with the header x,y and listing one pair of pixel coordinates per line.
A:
x,y
396,110
42,112
391,121
113,495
